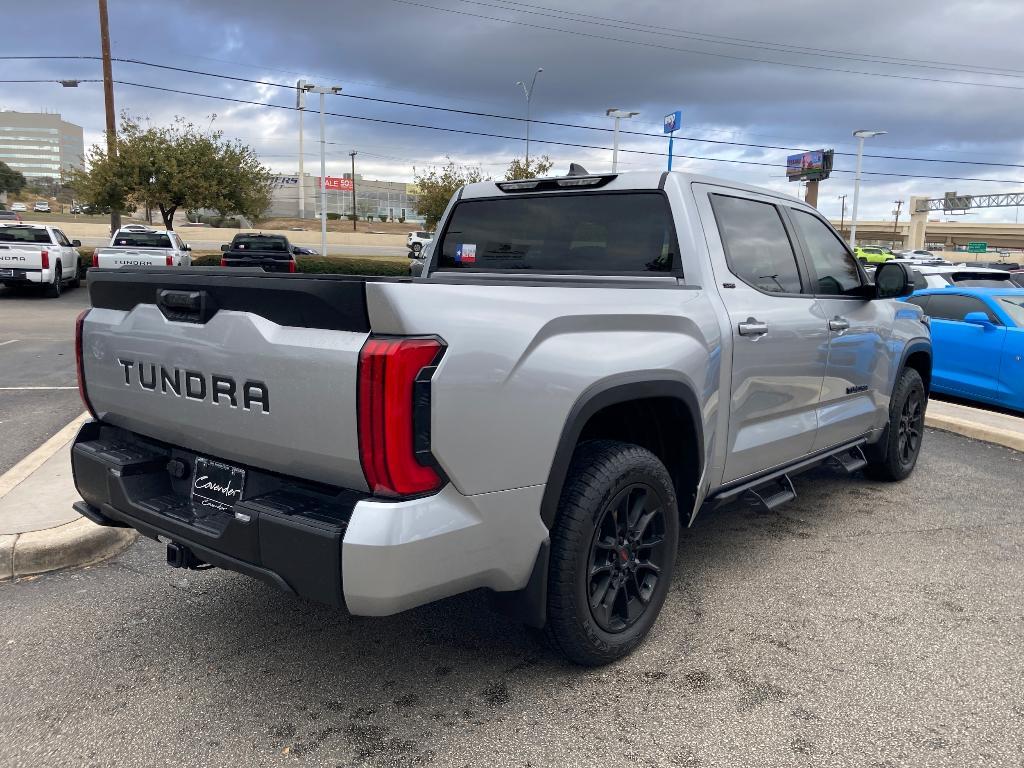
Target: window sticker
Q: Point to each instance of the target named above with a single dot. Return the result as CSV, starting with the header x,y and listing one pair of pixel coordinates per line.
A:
x,y
465,253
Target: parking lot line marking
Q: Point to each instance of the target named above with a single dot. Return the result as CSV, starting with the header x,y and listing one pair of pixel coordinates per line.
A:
x,y
9,341
13,476
21,389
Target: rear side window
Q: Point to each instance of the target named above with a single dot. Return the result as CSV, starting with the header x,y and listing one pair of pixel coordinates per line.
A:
x,y
757,246
587,233
836,271
24,235
955,307
259,244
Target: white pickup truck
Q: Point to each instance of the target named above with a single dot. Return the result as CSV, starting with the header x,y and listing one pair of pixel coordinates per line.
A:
x,y
136,246
34,254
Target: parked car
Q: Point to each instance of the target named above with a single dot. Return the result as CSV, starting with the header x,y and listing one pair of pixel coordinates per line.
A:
x,y
584,365
962,276
303,250
20,207
978,343
873,254
10,216
416,240
271,253
35,255
135,246
917,255
1009,266
41,206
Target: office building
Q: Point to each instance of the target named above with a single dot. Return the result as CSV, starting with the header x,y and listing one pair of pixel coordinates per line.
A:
x,y
40,144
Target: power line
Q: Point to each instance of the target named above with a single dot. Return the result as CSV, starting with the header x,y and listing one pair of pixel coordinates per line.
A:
x,y
716,54
604,21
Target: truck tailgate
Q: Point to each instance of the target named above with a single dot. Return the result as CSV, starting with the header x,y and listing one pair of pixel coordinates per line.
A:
x,y
254,368
115,258
22,257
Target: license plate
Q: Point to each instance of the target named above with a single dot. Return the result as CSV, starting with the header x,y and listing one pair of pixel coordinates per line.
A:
x,y
216,486
6,273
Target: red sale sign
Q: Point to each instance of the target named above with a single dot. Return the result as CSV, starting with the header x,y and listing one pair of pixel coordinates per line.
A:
x,y
335,183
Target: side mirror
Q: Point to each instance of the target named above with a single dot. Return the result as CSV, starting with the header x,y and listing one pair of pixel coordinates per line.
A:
x,y
893,281
188,247
76,243
225,247
979,318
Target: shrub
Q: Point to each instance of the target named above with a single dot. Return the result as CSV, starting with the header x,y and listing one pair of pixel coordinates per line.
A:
x,y
331,216
382,217
351,217
401,219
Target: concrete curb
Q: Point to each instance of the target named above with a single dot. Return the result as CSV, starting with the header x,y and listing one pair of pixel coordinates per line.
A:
x,y
71,545
989,434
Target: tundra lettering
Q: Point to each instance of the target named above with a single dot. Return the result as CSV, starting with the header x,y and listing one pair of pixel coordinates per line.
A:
x,y
581,365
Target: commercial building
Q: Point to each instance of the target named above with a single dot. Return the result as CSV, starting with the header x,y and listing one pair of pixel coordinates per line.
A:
x,y
40,144
393,199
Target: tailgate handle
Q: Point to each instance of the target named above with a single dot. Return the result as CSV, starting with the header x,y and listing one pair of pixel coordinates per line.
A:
x,y
184,306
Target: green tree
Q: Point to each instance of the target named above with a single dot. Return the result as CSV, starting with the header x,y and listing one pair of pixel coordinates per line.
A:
x,y
10,179
173,166
436,187
528,169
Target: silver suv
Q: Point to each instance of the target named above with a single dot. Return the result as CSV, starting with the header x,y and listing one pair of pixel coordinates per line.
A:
x,y
585,364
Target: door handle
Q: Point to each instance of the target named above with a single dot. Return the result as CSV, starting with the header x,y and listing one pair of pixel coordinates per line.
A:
x,y
838,324
752,327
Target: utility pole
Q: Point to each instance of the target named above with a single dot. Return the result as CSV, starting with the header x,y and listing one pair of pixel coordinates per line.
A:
x,y
896,221
842,216
355,216
108,102
300,102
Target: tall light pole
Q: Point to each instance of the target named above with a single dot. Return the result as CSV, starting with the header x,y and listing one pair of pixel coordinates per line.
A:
x,y
618,114
842,215
334,90
529,100
355,216
300,103
108,102
860,135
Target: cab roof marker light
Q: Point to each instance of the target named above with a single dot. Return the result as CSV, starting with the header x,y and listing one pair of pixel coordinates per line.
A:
x,y
580,181
512,186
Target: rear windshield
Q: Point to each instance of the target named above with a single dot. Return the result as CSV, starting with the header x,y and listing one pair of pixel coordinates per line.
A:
x,y
142,240
259,244
595,232
24,235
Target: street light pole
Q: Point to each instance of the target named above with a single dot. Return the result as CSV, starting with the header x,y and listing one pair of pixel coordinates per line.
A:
x,y
333,89
108,102
860,135
842,215
529,100
300,102
355,215
618,114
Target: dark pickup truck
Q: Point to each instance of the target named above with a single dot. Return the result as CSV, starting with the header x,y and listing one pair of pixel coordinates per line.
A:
x,y
271,252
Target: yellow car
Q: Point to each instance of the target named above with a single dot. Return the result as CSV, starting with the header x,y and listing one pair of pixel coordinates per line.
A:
x,y
873,254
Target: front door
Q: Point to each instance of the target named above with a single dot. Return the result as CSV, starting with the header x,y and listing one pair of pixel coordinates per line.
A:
x,y
780,339
967,356
854,396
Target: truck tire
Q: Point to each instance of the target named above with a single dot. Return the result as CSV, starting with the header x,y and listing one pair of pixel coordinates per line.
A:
x,y
895,457
613,548
52,291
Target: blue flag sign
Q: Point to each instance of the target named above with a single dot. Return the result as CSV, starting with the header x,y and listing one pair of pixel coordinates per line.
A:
x,y
673,121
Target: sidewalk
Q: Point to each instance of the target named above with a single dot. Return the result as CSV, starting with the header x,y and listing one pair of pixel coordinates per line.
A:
x,y
991,427
39,531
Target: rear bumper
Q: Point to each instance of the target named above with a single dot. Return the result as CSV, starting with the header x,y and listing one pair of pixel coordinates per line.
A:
x,y
37,276
340,547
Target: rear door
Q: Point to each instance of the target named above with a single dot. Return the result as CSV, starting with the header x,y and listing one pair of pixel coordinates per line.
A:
x,y
780,338
966,356
855,393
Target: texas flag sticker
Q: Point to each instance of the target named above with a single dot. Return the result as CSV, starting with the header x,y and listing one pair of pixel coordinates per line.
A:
x,y
465,253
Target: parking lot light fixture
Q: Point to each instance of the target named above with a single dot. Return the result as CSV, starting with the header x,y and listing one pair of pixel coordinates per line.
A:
x,y
529,100
860,135
334,90
618,114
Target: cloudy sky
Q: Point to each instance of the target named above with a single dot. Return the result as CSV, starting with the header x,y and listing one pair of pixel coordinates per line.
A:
x,y
946,80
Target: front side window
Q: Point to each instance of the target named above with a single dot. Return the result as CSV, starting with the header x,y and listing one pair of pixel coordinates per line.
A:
x,y
582,233
757,247
836,271
62,238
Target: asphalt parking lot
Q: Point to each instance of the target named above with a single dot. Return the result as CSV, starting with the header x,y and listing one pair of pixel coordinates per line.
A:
x,y
38,385
864,624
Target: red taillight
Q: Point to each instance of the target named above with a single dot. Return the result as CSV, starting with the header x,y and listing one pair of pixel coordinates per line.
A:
x,y
95,260
394,415
79,362
291,266
170,261
45,256
223,261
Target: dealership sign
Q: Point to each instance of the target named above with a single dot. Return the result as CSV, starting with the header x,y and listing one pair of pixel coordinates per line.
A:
x,y
335,183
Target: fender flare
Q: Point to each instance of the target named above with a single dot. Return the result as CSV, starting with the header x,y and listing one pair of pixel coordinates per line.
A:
x,y
915,345
612,391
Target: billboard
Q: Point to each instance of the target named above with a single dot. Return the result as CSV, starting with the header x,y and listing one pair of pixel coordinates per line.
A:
x,y
815,165
673,121
335,183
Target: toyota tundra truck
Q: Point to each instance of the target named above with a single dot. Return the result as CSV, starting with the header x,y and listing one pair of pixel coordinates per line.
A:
x,y
34,255
136,246
584,364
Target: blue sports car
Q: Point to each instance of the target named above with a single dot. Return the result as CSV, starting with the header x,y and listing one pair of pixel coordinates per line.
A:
x,y
978,342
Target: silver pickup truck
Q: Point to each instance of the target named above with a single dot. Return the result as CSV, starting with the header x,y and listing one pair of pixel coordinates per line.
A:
x,y
585,363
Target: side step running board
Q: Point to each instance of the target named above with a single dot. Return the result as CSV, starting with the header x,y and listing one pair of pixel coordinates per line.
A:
x,y
771,495
850,461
